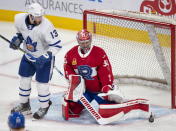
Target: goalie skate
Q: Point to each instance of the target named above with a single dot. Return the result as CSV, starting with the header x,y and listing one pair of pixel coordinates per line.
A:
x,y
41,112
23,108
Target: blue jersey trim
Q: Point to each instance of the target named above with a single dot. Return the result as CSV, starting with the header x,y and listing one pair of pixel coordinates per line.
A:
x,y
44,95
23,95
44,101
24,89
56,44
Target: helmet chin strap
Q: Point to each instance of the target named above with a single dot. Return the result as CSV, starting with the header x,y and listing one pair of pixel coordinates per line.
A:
x,y
84,50
32,19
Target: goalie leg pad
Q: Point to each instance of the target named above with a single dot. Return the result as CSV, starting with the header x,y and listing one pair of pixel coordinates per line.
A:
x,y
71,109
75,108
108,110
76,88
65,110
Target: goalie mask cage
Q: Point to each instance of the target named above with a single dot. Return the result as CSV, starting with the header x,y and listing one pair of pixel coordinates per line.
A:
x,y
141,47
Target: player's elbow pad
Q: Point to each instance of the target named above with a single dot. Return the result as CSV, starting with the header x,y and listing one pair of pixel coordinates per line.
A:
x,y
54,50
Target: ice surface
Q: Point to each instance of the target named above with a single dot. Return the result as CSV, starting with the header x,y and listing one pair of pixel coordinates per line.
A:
x,y
9,82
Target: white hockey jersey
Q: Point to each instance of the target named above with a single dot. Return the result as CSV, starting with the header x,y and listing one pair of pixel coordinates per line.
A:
x,y
39,39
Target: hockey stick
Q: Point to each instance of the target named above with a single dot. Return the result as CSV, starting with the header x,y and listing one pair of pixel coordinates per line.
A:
x,y
1,36
59,71
93,112
97,116
4,38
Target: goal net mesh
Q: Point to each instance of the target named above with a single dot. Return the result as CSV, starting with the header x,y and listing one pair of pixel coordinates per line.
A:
x,y
139,52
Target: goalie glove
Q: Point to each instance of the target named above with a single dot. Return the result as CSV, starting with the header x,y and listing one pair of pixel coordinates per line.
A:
x,y
113,92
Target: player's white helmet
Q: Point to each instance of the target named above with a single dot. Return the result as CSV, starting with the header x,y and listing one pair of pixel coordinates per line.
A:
x,y
36,10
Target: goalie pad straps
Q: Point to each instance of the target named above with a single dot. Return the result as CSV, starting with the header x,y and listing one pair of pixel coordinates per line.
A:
x,y
71,109
65,110
108,110
76,88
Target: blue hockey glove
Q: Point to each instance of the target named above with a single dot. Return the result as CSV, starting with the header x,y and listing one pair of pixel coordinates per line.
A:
x,y
40,61
16,41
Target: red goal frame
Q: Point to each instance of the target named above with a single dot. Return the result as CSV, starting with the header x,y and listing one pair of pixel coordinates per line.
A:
x,y
156,23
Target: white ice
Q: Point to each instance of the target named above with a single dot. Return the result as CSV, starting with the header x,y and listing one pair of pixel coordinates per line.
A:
x,y
9,83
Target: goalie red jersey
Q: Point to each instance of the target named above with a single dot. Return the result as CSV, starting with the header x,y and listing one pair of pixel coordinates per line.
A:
x,y
94,67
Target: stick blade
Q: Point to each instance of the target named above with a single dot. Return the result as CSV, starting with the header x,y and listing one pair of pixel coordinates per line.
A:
x,y
108,120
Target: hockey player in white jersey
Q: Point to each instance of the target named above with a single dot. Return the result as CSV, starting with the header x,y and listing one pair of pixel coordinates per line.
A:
x,y
41,43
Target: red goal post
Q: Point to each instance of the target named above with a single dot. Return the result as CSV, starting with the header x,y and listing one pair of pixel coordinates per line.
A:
x,y
144,45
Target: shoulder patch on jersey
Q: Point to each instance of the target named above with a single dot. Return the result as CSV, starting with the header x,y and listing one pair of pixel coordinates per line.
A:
x,y
74,62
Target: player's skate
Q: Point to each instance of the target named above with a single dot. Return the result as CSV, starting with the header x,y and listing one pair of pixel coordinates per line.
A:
x,y
41,112
24,108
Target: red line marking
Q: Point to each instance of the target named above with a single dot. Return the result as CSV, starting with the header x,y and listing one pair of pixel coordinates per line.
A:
x,y
83,124
16,77
9,62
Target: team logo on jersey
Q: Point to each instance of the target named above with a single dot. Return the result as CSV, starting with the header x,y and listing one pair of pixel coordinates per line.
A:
x,y
86,72
74,62
31,46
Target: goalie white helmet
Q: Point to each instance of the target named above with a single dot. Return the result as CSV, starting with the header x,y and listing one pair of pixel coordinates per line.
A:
x,y
35,10
84,36
84,39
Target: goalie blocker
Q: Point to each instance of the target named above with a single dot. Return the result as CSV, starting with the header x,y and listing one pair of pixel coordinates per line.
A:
x,y
75,101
